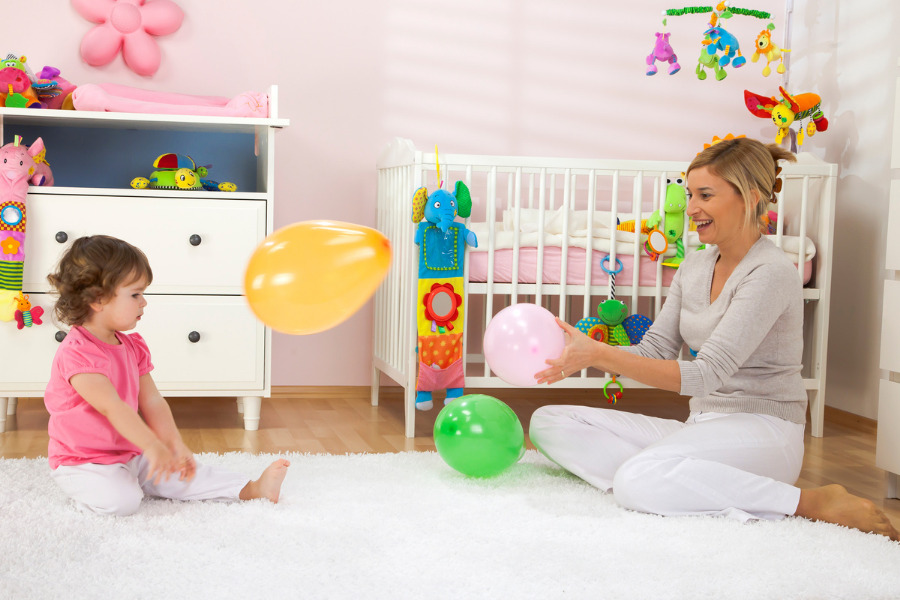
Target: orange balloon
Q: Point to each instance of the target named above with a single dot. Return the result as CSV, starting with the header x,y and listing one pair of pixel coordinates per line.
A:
x,y
310,276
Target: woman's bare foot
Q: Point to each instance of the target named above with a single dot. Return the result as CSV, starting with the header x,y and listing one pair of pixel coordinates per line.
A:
x,y
834,504
268,485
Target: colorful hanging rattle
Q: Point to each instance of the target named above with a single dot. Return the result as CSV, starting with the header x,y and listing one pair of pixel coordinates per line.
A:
x,y
613,325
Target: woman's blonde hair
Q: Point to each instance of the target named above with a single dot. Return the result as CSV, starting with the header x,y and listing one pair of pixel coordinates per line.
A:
x,y
748,165
91,270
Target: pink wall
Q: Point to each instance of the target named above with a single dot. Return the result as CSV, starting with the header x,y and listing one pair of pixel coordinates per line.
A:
x,y
529,77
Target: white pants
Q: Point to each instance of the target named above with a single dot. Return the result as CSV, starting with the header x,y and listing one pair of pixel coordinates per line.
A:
x,y
737,465
118,489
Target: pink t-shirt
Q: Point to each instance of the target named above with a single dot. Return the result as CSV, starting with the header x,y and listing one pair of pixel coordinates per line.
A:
x,y
78,433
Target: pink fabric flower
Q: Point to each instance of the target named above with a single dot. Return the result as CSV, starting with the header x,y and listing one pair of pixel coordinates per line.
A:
x,y
127,25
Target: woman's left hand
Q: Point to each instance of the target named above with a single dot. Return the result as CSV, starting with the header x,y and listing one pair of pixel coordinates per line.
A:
x,y
580,352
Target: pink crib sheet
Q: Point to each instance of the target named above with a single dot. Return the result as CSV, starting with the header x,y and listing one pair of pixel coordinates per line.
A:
x,y
478,267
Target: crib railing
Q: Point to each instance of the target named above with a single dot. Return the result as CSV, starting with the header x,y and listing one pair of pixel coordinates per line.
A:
x,y
624,188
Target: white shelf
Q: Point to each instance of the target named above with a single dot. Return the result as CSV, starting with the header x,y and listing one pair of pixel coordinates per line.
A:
x,y
117,120
146,193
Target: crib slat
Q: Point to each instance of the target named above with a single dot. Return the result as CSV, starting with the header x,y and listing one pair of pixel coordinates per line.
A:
x,y
539,275
567,203
492,224
801,252
517,203
660,206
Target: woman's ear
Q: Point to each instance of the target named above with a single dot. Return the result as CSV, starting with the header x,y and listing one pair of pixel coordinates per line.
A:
x,y
754,199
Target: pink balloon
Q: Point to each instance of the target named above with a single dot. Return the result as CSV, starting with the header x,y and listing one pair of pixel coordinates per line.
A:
x,y
518,341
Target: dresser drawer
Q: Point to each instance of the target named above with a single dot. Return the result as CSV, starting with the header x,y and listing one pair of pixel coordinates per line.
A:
x,y
890,327
28,352
227,232
229,353
887,448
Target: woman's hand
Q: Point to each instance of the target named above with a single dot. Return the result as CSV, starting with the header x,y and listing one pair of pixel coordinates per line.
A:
x,y
580,352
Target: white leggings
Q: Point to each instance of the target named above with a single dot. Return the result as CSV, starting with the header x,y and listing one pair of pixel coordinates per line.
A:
x,y
737,465
118,489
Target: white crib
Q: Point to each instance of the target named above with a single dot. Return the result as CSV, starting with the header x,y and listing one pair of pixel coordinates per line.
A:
x,y
544,226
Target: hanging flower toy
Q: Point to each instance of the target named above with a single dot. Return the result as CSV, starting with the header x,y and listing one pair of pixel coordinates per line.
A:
x,y
129,26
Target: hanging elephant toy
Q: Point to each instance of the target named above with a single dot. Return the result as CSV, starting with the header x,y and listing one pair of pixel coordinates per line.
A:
x,y
439,310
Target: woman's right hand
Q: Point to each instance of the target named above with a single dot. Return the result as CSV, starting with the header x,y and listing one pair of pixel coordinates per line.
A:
x,y
579,353
161,460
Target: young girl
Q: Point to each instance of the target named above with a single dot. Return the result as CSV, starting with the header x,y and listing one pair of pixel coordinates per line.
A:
x,y
738,303
112,435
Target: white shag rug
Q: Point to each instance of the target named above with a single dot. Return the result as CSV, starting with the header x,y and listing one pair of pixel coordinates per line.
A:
x,y
399,526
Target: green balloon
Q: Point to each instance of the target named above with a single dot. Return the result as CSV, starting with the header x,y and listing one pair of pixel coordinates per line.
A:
x,y
479,435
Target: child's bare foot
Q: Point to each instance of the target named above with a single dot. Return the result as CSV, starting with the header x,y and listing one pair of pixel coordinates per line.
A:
x,y
834,504
268,485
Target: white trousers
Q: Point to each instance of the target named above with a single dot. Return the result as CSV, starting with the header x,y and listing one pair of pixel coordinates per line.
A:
x,y
119,488
736,465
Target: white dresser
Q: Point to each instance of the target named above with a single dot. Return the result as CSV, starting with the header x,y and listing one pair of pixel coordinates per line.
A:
x,y
887,451
203,337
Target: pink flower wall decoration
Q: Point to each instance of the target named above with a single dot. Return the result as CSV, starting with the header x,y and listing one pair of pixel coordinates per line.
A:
x,y
128,25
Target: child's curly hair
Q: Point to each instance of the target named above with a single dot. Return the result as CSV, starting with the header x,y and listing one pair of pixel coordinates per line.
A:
x,y
91,270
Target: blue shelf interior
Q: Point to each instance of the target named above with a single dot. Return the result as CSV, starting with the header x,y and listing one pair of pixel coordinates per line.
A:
x,y
111,158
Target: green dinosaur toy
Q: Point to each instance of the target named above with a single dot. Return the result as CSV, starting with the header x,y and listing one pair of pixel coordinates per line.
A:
x,y
672,219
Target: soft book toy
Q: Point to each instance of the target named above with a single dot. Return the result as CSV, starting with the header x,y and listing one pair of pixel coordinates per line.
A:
x,y
442,244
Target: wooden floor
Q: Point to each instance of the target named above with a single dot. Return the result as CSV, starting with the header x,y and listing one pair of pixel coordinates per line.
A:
x,y
339,420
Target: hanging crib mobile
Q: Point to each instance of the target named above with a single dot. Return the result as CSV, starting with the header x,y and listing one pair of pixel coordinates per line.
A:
x,y
719,47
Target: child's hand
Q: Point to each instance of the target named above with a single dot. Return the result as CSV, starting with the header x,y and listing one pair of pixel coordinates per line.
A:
x,y
184,461
162,462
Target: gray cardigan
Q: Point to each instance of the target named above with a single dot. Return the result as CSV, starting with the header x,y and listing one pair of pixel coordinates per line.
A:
x,y
749,342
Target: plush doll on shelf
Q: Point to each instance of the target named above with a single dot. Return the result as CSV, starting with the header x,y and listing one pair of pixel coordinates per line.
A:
x,y
439,307
16,90
180,172
20,170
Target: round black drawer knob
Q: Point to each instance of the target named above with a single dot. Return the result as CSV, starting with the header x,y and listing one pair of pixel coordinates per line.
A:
x,y
60,336
194,337
195,240
62,237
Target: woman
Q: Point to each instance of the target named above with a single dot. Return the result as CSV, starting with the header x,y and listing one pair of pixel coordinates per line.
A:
x,y
739,304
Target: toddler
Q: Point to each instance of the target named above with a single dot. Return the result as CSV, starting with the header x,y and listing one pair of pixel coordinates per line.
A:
x,y
112,435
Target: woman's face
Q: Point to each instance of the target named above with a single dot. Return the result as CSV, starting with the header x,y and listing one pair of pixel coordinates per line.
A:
x,y
716,208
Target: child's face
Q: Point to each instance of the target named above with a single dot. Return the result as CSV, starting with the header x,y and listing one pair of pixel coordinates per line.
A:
x,y
124,309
